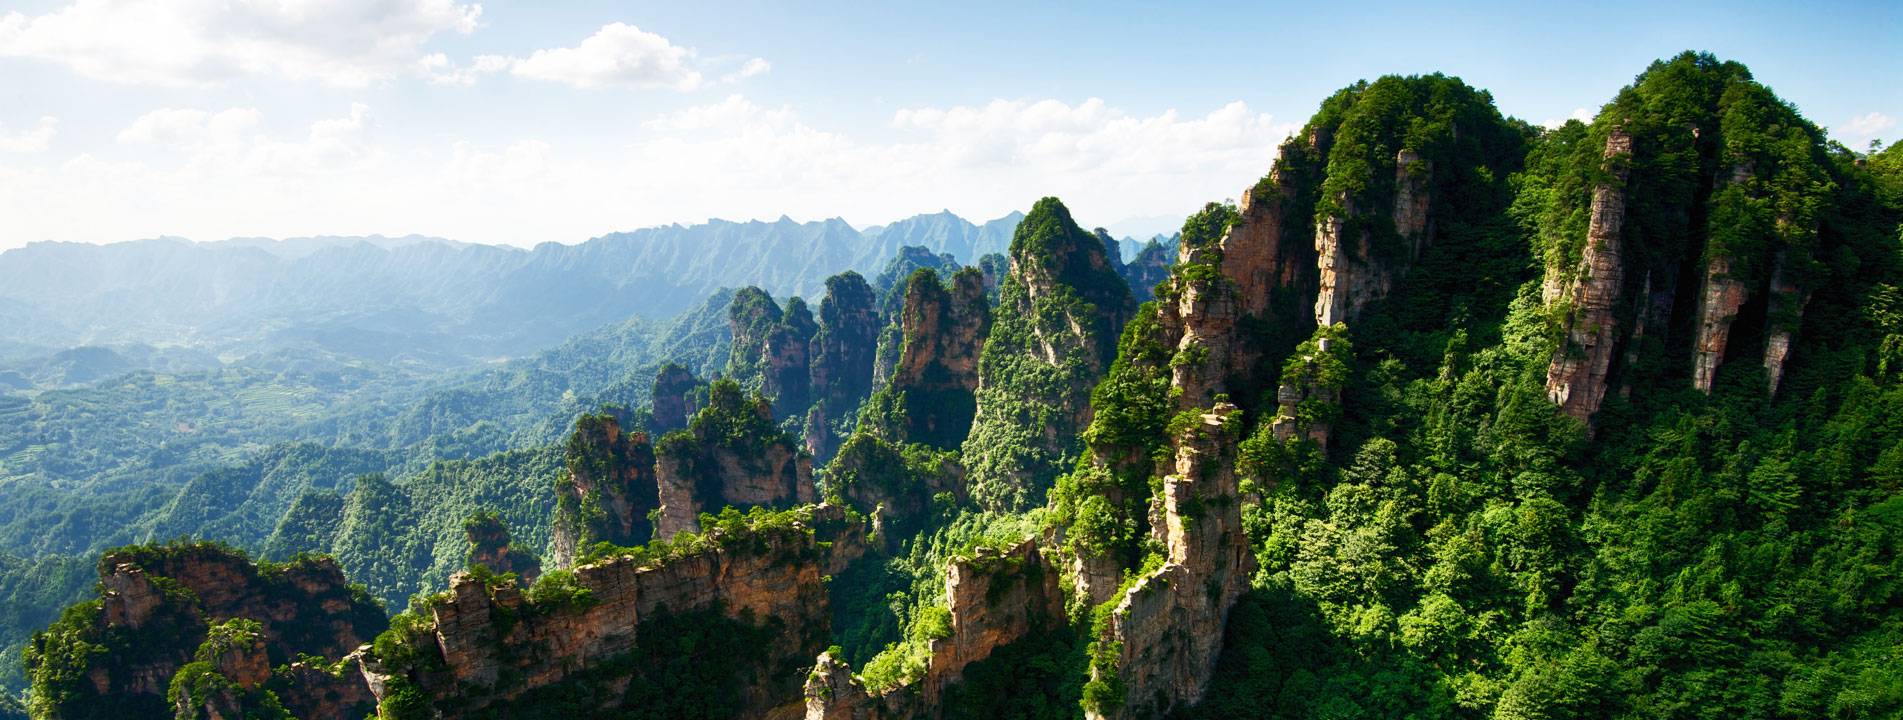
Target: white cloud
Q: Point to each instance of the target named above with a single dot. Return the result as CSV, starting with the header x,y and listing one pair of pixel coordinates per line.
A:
x,y
734,113
192,127
750,68
616,55
227,176
202,42
1861,129
33,139
1581,114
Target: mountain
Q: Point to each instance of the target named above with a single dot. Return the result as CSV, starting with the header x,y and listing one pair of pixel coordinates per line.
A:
x,y
424,301
1449,416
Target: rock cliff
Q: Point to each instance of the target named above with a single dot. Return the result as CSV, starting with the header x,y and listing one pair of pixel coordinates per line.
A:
x,y
609,489
1158,648
732,453
164,610
1054,333
674,399
1576,379
995,597
842,356
935,377
609,638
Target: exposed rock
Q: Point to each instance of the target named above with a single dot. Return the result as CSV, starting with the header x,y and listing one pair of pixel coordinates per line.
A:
x,y
1720,297
995,598
750,318
1787,303
1576,379
675,398
490,547
731,454
936,373
317,693
1263,263
1150,266
1353,274
785,367
159,604
1062,306
747,575
842,357
1167,630
609,491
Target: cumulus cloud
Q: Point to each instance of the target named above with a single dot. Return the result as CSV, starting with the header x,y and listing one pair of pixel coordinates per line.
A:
x,y
1863,128
616,55
750,68
32,139
203,42
191,126
225,175
1581,114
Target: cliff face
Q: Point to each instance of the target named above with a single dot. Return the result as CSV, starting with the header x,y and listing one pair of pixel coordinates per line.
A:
x,y
1150,266
995,597
1054,333
1354,271
674,398
1160,645
609,490
492,649
786,364
1721,251
842,356
936,373
1576,380
731,454
159,604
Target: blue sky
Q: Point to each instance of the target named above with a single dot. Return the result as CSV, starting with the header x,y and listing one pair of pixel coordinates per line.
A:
x,y
526,122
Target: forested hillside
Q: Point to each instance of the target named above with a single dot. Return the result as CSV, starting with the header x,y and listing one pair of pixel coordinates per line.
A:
x,y
1449,416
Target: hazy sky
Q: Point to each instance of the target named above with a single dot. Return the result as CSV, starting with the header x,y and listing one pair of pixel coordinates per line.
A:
x,y
524,122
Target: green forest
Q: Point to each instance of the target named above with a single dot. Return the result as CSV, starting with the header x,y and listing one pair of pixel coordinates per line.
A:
x,y
1431,530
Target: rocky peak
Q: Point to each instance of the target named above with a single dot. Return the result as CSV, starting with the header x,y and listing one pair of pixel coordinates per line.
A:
x,y
1162,639
205,618
751,317
1054,333
759,576
675,398
842,359
609,489
731,454
1576,379
1722,249
490,547
994,597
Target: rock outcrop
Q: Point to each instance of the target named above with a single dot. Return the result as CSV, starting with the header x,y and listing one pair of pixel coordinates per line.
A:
x,y
609,490
1159,648
1576,379
1355,271
675,398
995,597
935,376
786,364
1054,333
1722,250
490,649
163,606
842,357
731,454
490,547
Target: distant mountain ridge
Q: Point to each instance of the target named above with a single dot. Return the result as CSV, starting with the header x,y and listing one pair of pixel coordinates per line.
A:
x,y
430,300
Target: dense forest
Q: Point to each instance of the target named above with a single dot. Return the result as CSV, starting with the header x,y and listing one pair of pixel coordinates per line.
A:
x,y
1449,415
